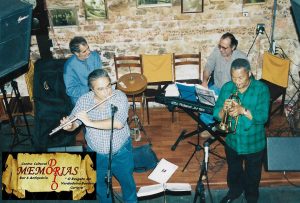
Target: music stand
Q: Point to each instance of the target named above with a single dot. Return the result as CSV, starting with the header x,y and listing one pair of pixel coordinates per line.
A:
x,y
16,132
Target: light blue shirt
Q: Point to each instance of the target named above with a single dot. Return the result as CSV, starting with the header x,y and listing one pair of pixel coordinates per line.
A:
x,y
76,72
98,139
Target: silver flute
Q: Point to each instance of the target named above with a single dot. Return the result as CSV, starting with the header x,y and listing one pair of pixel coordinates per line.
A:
x,y
75,117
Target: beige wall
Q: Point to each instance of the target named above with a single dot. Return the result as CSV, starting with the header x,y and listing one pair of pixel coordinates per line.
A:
x,y
130,30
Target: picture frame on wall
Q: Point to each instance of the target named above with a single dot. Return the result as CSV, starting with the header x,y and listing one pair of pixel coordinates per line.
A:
x,y
191,6
63,16
253,1
153,3
95,9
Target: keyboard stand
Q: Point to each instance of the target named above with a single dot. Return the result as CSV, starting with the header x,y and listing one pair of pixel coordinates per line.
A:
x,y
201,127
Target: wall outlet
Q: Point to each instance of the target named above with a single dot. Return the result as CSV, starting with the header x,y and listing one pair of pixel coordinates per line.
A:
x,y
245,14
260,28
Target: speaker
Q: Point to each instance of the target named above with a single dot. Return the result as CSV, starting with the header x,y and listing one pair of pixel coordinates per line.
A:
x,y
283,153
15,28
296,12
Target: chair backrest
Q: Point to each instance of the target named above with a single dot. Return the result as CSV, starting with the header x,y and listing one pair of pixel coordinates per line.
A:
x,y
158,68
188,65
275,70
127,64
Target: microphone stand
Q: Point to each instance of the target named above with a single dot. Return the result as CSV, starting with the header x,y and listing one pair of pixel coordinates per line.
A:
x,y
16,132
200,190
108,177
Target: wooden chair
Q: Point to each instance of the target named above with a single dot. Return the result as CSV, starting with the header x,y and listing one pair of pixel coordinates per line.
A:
x,y
275,74
187,62
184,64
130,64
158,71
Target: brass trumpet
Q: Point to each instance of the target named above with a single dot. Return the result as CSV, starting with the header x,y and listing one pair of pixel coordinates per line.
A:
x,y
226,123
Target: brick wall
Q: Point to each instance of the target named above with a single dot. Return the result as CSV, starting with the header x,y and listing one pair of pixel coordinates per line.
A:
x,y
130,30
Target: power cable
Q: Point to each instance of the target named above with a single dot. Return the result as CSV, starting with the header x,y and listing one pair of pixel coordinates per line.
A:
x,y
288,180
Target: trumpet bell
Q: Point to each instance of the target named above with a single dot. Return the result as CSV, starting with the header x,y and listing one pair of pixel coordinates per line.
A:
x,y
223,128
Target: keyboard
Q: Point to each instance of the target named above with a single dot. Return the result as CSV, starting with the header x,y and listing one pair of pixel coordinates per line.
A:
x,y
172,102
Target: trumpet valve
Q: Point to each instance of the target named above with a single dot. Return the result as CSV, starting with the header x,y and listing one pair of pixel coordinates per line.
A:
x,y
223,127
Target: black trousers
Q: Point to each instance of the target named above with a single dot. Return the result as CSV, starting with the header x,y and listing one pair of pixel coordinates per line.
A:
x,y
244,174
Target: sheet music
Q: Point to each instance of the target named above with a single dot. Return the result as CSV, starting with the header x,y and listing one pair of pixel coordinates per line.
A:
x,y
158,188
187,91
161,174
163,171
172,91
178,187
150,190
205,95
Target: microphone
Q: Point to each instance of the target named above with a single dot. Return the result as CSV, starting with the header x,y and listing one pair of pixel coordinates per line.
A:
x,y
114,109
206,154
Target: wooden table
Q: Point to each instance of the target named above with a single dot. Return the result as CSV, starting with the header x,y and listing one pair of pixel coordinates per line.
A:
x,y
132,83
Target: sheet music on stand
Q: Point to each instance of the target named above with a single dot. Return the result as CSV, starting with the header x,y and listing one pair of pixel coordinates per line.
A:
x,y
187,91
205,95
161,174
172,91
196,93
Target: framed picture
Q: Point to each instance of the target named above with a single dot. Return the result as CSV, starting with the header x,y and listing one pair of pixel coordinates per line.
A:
x,y
191,6
253,1
63,16
153,3
95,9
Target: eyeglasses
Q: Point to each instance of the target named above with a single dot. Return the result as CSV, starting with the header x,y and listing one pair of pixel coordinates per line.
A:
x,y
103,88
221,47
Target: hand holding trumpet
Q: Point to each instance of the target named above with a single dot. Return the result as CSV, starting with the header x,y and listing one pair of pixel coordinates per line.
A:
x,y
233,108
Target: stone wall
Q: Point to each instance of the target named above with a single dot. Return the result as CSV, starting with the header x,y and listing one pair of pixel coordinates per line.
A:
x,y
130,30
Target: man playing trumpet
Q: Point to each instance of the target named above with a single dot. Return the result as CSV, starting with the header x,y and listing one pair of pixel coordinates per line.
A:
x,y
98,123
245,146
